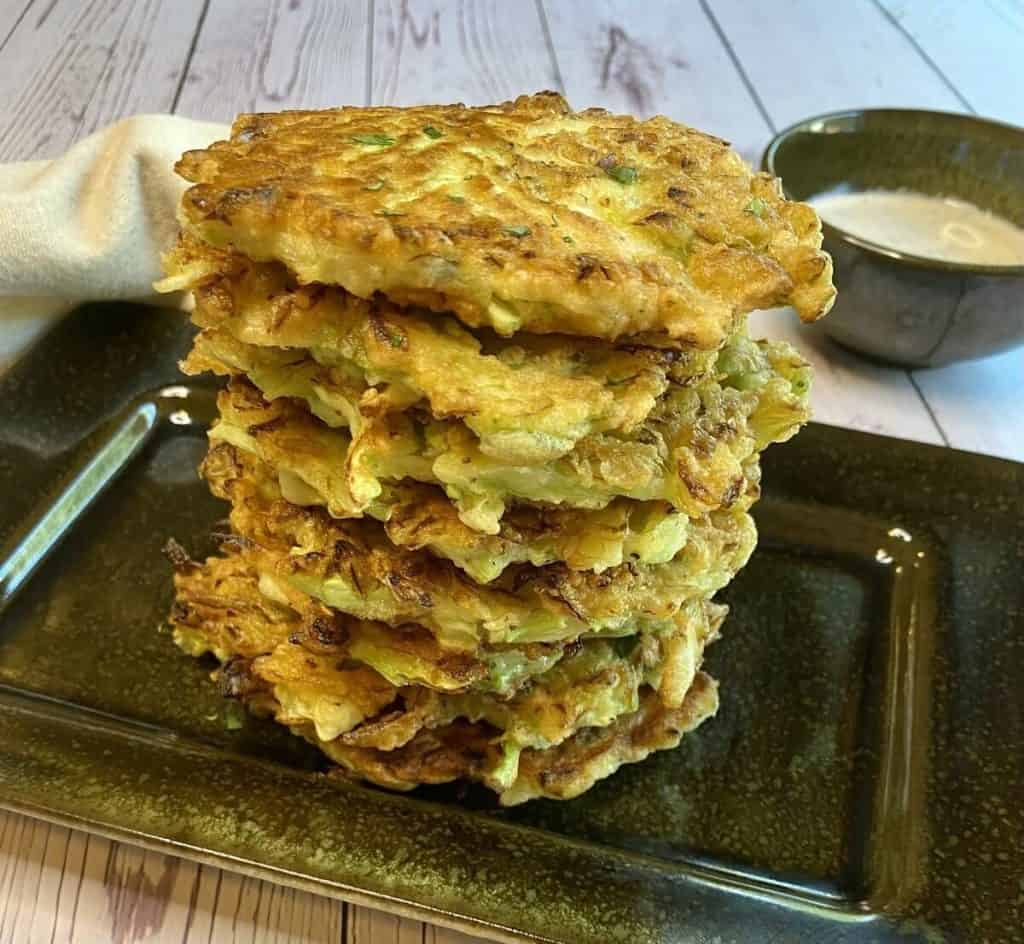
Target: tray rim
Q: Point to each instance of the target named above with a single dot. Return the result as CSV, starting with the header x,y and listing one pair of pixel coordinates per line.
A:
x,y
115,731
350,894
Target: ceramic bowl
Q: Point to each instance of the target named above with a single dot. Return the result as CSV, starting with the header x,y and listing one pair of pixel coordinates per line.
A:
x,y
893,305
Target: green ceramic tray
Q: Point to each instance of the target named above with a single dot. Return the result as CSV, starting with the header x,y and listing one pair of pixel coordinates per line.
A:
x,y
863,780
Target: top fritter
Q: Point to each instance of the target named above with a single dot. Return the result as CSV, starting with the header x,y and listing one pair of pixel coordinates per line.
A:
x,y
525,216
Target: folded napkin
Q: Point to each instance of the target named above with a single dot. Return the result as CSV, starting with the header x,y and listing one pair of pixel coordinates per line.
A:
x,y
90,225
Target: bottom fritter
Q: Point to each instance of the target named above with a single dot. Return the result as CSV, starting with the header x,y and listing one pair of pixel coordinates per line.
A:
x,y
466,751
390,705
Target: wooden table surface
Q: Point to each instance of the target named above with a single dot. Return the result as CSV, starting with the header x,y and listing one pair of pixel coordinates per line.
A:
x,y
740,70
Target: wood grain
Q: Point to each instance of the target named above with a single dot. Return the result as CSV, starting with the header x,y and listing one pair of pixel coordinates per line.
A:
x,y
59,885
70,67
11,12
432,934
805,57
280,54
976,46
248,909
630,57
369,926
472,52
979,404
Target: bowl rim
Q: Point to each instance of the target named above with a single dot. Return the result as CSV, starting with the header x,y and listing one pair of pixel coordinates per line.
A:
x,y
881,249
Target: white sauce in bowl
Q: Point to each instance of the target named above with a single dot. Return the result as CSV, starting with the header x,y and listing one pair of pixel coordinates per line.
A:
x,y
942,228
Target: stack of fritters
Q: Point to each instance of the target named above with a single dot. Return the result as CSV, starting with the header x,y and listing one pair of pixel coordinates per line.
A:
x,y
491,431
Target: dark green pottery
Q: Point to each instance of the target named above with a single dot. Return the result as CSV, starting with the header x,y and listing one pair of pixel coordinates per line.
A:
x,y
862,781
892,305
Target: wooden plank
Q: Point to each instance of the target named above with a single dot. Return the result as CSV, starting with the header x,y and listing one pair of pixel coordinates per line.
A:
x,y
630,57
804,57
475,53
978,404
88,908
144,894
11,13
247,909
70,67
370,926
20,873
62,885
976,46
274,55
70,884
849,390
435,935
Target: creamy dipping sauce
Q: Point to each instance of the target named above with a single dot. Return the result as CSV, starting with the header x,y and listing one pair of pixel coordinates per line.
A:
x,y
934,227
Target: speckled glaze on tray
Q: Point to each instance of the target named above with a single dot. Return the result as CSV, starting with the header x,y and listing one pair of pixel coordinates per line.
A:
x,y
862,781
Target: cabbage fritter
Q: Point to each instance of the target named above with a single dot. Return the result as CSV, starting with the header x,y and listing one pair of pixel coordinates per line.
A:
x,y
690,451
465,751
351,566
592,684
228,607
419,516
524,216
491,432
528,399
220,608
320,684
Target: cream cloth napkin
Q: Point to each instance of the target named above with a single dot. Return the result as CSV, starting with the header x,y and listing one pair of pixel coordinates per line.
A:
x,y
90,225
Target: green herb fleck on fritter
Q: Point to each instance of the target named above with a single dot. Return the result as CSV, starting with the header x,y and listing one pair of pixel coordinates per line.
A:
x,y
374,140
624,175
756,207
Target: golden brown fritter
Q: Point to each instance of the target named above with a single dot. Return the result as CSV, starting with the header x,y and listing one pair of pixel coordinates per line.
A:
x,y
418,516
218,608
318,682
462,750
575,766
592,685
529,399
224,606
351,566
524,216
692,452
